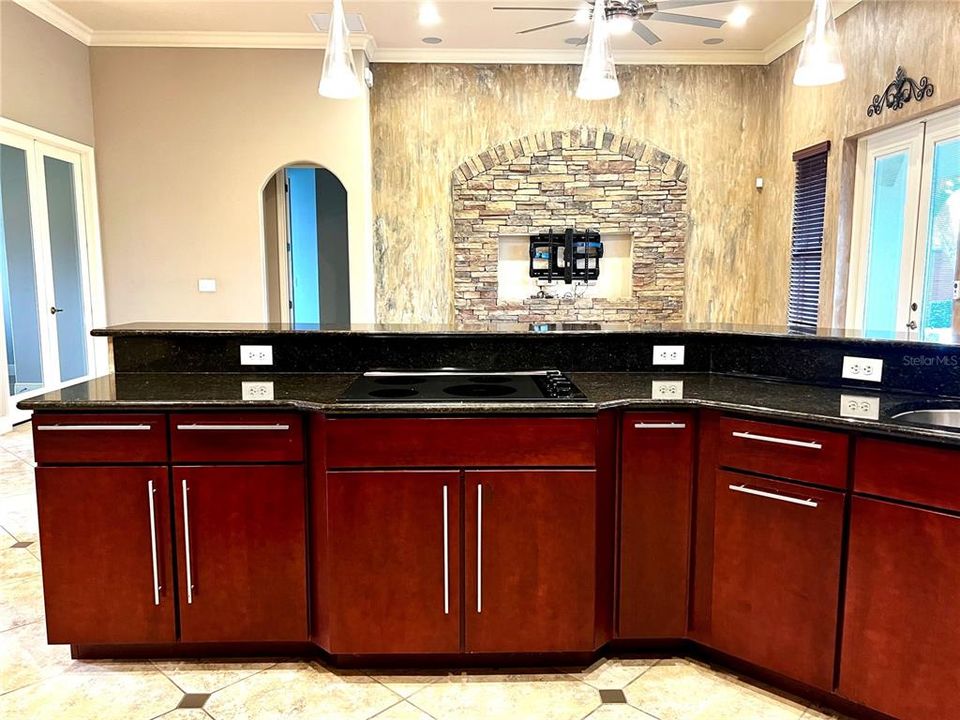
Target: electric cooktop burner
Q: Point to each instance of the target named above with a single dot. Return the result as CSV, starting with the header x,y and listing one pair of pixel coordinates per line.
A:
x,y
460,386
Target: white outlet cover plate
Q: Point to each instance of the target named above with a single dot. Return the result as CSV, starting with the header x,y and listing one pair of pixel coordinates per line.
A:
x,y
256,354
257,390
666,389
207,284
862,407
668,354
859,368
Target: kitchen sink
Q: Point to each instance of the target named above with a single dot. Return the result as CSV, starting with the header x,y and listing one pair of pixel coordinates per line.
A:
x,y
941,417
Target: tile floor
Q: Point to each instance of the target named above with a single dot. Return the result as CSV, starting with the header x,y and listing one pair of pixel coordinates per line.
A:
x,y
40,682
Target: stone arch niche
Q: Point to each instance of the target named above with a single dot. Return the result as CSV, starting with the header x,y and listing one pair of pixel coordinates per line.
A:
x,y
581,178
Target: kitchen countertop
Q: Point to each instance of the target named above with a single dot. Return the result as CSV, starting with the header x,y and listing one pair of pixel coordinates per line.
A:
x,y
796,402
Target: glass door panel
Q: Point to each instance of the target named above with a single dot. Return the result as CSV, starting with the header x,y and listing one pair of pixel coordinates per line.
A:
x,y
67,265
21,318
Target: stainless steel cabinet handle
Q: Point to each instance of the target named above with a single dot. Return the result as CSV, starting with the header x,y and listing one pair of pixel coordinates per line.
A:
x,y
94,427
660,426
198,426
446,555
773,496
186,543
479,547
153,543
779,441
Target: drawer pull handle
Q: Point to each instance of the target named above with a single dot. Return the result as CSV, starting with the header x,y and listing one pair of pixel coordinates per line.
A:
x,y
153,543
446,555
660,426
186,543
779,441
94,427
774,496
198,426
479,547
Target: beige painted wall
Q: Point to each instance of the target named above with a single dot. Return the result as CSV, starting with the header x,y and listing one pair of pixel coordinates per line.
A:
x,y
428,118
186,139
876,36
44,76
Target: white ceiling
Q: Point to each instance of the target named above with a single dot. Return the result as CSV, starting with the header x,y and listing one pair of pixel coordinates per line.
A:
x,y
471,30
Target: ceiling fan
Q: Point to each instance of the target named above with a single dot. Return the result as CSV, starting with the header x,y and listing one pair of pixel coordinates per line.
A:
x,y
626,15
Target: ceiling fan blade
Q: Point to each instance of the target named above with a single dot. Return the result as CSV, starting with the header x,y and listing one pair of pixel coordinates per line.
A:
x,y
583,41
687,20
648,35
566,9
543,27
673,4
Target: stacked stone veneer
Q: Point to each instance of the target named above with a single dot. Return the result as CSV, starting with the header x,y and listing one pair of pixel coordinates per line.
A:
x,y
580,178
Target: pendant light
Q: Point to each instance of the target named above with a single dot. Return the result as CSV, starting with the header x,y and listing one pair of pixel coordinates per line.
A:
x,y
820,62
339,79
598,76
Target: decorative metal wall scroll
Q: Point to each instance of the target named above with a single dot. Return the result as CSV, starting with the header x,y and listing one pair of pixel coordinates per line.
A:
x,y
901,90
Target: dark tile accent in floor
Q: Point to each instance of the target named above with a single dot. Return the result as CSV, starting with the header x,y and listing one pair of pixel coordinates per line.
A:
x,y
193,700
612,696
21,544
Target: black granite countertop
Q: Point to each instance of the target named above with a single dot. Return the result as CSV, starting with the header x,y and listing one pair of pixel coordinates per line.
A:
x,y
795,402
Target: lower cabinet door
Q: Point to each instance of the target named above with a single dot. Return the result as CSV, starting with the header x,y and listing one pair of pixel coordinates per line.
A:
x,y
107,554
394,561
777,548
900,651
530,561
241,549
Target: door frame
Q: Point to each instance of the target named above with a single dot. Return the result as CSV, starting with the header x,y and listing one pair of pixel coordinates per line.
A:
x,y
36,143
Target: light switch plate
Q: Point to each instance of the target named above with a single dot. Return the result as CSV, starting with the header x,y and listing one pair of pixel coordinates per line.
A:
x,y
860,406
858,368
207,285
668,354
256,354
257,390
666,389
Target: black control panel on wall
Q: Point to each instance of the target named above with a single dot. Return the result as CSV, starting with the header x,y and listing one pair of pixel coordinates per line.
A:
x,y
570,256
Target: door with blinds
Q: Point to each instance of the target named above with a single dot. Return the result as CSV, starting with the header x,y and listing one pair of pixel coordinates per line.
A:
x,y
904,270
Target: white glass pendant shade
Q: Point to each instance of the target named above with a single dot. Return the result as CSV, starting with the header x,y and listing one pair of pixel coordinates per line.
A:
x,y
820,62
339,78
598,76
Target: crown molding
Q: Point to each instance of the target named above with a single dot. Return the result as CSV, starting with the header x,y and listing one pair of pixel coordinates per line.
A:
x,y
60,19
570,56
183,39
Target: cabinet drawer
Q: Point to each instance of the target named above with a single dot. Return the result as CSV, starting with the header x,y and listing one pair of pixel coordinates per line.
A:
x,y
236,438
80,438
815,456
461,442
901,471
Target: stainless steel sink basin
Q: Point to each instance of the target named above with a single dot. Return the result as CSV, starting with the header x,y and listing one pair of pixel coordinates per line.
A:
x,y
941,417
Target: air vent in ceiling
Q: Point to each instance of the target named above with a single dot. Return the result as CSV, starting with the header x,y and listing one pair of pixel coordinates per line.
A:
x,y
321,21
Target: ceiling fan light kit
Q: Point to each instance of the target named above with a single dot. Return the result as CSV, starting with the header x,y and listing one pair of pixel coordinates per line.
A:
x,y
820,62
598,75
339,79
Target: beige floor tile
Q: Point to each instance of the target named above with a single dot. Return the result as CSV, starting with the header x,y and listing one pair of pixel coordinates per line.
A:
x,y
295,691
185,714
26,658
406,684
814,713
207,676
21,601
402,711
108,692
613,673
19,442
18,516
507,697
684,690
16,562
619,711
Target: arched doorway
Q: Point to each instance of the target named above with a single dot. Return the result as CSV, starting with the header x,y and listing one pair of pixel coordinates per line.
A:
x,y
306,246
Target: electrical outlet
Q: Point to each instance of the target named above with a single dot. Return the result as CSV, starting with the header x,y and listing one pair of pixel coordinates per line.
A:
x,y
256,354
668,354
256,390
666,389
207,285
860,406
858,368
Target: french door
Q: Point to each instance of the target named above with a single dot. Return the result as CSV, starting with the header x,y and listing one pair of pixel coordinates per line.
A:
x,y
903,266
49,266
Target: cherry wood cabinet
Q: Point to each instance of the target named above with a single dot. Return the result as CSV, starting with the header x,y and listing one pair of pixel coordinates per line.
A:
x,y
107,556
656,486
900,651
776,575
241,549
394,561
530,560
99,438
